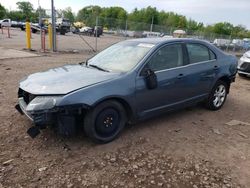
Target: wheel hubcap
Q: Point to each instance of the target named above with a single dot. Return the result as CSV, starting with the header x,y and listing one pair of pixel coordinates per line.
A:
x,y
219,96
107,122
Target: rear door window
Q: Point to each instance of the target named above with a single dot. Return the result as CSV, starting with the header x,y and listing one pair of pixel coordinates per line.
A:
x,y
198,53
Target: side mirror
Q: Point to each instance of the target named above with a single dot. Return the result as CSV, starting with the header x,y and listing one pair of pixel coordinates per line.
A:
x,y
151,79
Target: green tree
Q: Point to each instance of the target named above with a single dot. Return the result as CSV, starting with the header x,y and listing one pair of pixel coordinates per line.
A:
x,y
43,12
88,15
172,20
113,17
67,13
182,22
140,19
26,8
193,26
223,28
2,11
239,31
16,15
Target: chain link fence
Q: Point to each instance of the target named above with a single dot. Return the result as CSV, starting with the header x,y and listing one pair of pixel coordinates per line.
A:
x,y
96,33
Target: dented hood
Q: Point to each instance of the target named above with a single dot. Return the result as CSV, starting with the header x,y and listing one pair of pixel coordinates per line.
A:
x,y
63,80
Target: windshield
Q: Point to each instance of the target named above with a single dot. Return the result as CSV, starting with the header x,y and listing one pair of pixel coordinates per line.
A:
x,y
121,57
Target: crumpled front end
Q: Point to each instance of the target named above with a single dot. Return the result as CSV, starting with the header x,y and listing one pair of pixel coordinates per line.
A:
x,y
44,111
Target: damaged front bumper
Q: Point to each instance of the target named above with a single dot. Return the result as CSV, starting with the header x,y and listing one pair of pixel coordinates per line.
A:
x,y
39,117
44,111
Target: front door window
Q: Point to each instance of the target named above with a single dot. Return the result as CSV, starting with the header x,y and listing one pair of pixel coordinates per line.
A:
x,y
167,57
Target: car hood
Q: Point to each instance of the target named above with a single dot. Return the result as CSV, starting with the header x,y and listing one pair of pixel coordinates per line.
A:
x,y
63,80
245,58
248,54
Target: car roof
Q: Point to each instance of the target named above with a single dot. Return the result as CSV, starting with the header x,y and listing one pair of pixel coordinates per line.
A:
x,y
160,41
166,40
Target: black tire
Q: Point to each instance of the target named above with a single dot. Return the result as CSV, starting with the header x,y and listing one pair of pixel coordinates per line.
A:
x,y
211,103
33,30
242,75
103,123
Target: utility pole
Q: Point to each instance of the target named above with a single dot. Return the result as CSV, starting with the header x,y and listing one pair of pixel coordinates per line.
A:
x,y
53,26
152,23
126,29
96,32
40,21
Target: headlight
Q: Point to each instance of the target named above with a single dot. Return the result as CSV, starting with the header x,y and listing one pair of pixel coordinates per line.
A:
x,y
43,103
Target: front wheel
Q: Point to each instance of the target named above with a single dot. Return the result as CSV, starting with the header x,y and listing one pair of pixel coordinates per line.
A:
x,y
103,123
217,96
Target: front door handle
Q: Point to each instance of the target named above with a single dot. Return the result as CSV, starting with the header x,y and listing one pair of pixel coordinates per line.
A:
x,y
216,67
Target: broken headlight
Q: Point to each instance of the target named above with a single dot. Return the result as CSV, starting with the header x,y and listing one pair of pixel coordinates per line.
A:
x,y
43,103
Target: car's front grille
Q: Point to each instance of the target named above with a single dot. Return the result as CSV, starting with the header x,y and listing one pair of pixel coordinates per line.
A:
x,y
27,97
245,67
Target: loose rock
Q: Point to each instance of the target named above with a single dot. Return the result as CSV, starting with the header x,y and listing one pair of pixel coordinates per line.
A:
x,y
42,169
8,162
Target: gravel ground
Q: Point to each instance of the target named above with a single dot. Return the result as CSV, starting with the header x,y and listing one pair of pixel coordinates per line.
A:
x,y
191,148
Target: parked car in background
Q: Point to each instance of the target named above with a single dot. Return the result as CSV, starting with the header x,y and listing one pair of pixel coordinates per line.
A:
x,y
149,34
246,43
179,33
222,43
244,65
9,23
129,81
237,44
20,25
98,30
89,31
5,23
167,36
62,25
138,34
86,30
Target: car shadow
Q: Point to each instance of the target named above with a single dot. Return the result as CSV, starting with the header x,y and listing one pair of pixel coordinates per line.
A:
x,y
79,140
244,77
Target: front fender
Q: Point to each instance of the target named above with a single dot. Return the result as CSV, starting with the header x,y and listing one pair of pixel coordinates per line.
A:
x,y
123,88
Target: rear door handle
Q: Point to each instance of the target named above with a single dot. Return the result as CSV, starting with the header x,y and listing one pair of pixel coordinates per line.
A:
x,y
180,76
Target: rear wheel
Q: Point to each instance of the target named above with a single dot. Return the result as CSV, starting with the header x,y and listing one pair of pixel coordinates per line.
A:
x,y
217,96
33,30
105,121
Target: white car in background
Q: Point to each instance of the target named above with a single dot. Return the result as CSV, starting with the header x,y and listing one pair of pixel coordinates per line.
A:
x,y
222,43
244,65
86,29
5,23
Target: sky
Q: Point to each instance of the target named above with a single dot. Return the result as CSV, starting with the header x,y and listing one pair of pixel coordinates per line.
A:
x,y
206,11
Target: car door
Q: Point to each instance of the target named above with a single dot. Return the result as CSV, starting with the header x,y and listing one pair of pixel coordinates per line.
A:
x,y
168,64
201,71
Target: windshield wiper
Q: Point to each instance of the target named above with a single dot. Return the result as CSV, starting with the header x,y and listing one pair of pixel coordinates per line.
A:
x,y
97,67
84,62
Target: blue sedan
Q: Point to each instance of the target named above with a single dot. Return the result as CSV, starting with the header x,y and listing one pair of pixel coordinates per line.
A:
x,y
129,81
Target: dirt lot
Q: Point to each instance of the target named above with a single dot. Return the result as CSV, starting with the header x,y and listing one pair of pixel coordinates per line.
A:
x,y
187,149
67,43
